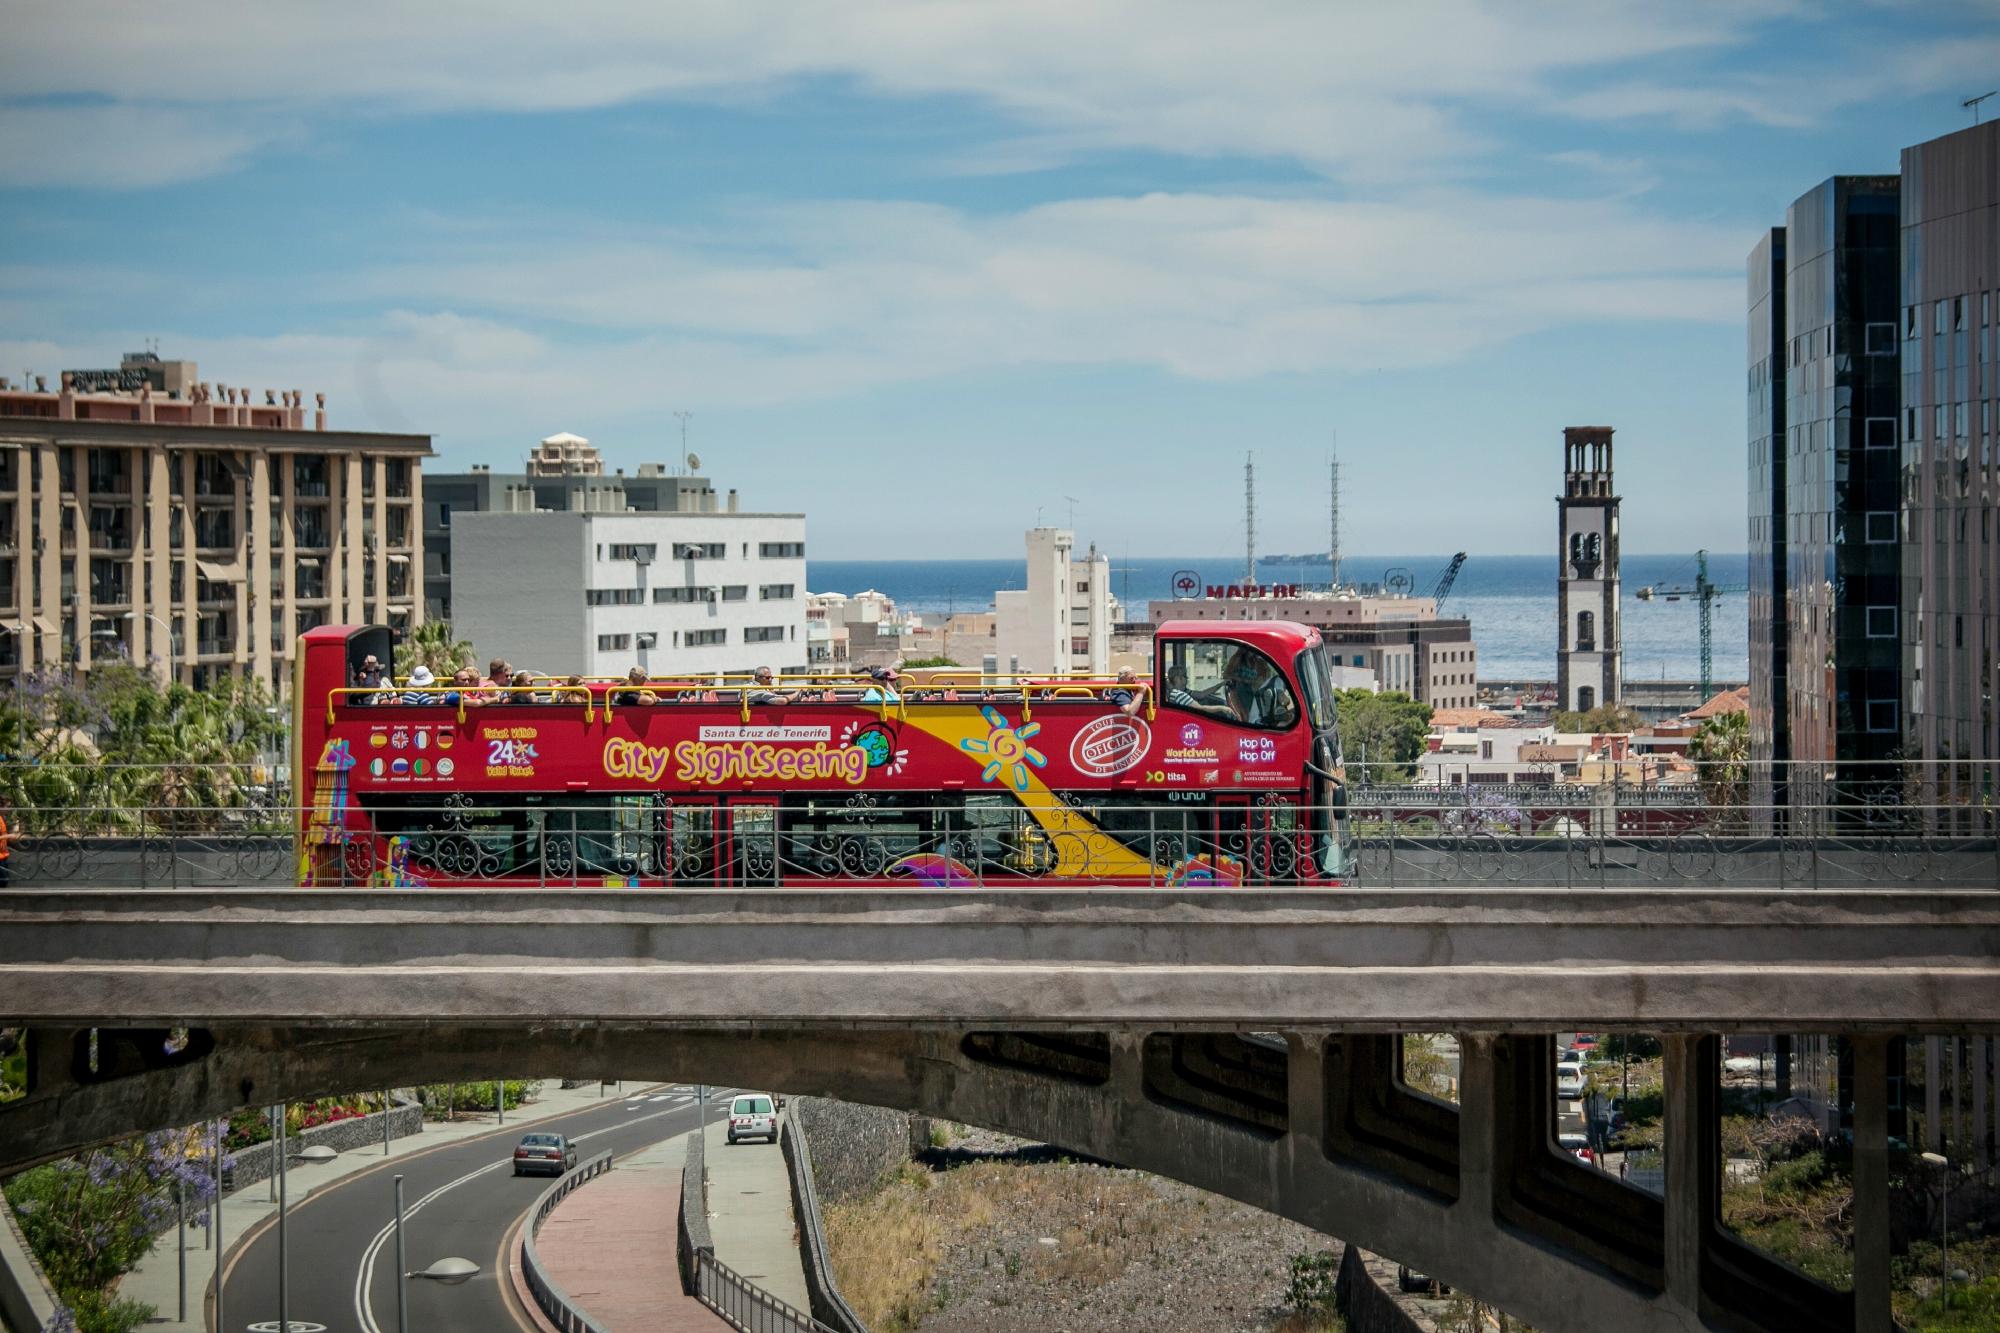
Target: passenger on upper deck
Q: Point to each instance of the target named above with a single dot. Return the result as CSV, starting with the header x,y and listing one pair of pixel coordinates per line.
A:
x,y
466,679
763,689
1129,700
522,691
885,678
418,689
573,691
368,676
499,675
637,679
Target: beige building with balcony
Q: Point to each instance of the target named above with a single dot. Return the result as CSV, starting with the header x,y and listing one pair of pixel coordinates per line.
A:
x,y
147,515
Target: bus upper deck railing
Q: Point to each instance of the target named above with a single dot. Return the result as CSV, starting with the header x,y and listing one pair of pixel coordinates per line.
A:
x,y
597,694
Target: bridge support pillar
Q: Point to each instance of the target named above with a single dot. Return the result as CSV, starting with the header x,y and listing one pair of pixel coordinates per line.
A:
x,y
1871,1181
1690,1149
1481,1102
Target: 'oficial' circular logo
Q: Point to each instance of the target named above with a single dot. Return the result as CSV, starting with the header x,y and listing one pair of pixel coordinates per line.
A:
x,y
1110,745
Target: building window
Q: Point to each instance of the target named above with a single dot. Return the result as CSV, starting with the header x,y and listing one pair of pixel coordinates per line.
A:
x,y
682,596
614,596
1879,432
782,550
775,592
613,643
1879,340
1586,632
1881,715
700,550
735,592
1881,622
1881,526
643,551
764,634
706,638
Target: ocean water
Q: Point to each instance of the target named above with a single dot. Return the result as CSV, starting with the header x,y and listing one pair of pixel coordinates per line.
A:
x,y
1510,599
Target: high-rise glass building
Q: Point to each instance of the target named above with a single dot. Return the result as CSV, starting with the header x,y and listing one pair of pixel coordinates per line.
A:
x,y
1824,507
1770,637
1950,553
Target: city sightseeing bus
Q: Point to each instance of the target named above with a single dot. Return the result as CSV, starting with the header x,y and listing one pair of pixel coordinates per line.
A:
x,y
1223,773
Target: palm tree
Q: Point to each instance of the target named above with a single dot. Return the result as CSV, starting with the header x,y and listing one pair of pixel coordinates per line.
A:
x,y
430,644
1720,748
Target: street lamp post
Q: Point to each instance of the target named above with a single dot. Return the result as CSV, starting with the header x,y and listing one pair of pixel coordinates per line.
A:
x,y
1944,1221
448,1272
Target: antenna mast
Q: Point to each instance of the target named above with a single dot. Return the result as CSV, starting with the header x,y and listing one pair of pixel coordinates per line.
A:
x,y
682,468
1250,517
1333,522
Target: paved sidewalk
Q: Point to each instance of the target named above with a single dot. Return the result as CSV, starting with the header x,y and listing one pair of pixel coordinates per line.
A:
x,y
155,1280
611,1247
750,1215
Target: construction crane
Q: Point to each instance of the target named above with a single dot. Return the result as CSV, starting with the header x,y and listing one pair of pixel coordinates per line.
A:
x,y
1703,594
1445,580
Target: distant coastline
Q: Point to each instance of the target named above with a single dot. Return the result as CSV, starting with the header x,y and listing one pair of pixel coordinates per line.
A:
x,y
1510,599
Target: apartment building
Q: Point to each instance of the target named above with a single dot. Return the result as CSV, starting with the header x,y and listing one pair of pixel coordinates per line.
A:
x,y
199,528
1061,622
600,593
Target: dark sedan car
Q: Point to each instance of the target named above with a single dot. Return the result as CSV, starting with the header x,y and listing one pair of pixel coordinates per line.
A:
x,y
552,1153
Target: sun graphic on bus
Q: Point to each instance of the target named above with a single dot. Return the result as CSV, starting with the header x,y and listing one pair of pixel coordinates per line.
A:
x,y
1007,750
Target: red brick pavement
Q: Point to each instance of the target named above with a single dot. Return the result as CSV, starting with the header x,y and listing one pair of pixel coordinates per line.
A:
x,y
610,1246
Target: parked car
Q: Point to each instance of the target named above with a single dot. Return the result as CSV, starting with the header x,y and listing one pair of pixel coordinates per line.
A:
x,y
550,1153
1569,1080
1577,1146
752,1116
1406,1280
1584,1041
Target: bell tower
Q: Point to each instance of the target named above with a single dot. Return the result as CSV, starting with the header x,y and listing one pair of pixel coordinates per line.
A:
x,y
1590,660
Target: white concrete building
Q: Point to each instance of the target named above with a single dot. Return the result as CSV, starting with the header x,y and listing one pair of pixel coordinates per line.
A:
x,y
1062,620
1471,753
598,593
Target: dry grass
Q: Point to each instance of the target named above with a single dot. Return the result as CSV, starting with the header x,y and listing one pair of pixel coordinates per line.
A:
x,y
885,1247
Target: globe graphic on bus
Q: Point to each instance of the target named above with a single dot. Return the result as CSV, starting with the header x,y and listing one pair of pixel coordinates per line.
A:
x,y
876,743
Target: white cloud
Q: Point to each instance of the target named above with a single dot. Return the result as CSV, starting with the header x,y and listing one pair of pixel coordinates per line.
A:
x,y
123,145
1351,89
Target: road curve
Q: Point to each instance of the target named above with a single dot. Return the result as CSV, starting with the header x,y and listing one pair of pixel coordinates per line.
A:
x,y
461,1199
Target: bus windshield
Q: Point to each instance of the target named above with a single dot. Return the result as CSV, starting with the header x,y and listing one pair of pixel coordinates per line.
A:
x,y
1318,686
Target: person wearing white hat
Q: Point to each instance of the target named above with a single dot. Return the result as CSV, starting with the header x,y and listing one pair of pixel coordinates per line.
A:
x,y
419,688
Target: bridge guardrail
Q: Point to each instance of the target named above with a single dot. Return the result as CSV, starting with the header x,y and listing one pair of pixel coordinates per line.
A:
x,y
829,1306
744,1305
550,1298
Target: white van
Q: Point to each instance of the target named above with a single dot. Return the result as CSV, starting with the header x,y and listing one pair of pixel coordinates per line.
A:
x,y
752,1116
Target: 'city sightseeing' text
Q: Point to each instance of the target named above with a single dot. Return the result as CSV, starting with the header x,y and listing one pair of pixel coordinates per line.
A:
x,y
700,763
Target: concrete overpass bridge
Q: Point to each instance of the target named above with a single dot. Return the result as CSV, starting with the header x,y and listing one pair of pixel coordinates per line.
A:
x,y
1243,1042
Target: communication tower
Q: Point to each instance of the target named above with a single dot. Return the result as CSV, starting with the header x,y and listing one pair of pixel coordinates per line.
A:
x,y
1333,520
1250,518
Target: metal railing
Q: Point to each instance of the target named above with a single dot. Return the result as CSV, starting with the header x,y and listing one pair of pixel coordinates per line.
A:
x,y
550,1298
821,1287
747,1306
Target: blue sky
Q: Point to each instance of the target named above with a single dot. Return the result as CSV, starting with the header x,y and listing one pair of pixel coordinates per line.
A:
x,y
923,269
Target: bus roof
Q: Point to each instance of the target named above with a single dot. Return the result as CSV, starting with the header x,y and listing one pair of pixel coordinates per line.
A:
x,y
1280,638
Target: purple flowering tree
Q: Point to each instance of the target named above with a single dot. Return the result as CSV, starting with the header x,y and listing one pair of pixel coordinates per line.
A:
x,y
92,1217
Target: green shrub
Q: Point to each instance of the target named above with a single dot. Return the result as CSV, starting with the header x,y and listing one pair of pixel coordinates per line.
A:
x,y
1311,1289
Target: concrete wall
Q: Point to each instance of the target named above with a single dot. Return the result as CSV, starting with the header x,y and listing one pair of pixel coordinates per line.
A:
x,y
1365,1296
258,1161
853,1146
517,589
27,1303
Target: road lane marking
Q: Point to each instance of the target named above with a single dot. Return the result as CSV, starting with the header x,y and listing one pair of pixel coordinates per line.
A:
x,y
364,1278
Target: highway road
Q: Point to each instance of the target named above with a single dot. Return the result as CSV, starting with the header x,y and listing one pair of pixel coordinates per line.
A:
x,y
461,1199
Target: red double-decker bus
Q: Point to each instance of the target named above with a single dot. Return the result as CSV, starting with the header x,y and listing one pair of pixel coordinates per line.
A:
x,y
1222,771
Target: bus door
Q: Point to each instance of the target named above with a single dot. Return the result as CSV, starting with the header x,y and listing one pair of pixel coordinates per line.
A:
x,y
753,842
691,842
1261,835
